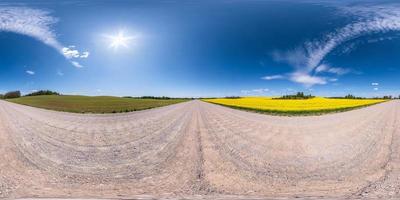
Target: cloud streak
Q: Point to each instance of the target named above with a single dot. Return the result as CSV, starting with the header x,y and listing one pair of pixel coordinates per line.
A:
x,y
273,77
257,91
308,59
37,24
375,84
76,64
30,72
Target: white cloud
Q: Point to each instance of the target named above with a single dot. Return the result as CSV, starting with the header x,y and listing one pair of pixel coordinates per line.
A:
x,y
76,64
60,73
307,59
257,91
71,52
34,23
273,77
338,70
321,68
295,57
333,70
376,88
374,84
30,72
306,79
260,90
85,54
333,79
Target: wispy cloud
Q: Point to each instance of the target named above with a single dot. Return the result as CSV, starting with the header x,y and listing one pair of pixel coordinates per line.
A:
x,y
273,77
60,73
308,59
85,54
375,86
325,68
76,64
307,79
30,72
30,22
257,91
34,23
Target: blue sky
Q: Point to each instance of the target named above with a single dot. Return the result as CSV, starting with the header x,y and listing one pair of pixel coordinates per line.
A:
x,y
201,48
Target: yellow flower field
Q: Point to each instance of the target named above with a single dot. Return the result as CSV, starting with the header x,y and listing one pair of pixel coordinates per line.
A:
x,y
317,104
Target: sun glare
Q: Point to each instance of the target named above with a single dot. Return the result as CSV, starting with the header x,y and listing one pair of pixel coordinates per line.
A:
x,y
120,40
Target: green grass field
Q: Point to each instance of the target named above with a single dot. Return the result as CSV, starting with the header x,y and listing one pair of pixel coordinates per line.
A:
x,y
86,104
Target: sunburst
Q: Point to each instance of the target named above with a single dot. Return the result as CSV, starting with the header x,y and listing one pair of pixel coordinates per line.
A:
x,y
120,40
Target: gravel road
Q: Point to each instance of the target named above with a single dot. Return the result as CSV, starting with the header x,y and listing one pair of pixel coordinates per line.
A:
x,y
197,150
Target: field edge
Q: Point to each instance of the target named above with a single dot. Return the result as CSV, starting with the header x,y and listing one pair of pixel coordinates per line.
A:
x,y
294,113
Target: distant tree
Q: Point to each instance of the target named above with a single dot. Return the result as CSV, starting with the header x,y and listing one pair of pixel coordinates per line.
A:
x,y
153,97
298,95
12,94
43,92
387,97
1,96
156,97
232,97
349,96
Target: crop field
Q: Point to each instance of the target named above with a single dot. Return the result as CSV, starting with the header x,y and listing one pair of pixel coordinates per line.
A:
x,y
99,104
294,106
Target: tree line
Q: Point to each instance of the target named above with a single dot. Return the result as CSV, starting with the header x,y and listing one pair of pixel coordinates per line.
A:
x,y
154,97
298,95
17,94
350,96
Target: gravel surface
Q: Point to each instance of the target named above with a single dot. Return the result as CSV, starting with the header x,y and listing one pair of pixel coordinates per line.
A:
x,y
197,150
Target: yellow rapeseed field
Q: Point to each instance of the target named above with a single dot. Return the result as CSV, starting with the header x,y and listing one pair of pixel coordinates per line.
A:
x,y
292,105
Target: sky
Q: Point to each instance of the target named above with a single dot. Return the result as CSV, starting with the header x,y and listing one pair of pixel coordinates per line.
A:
x,y
201,48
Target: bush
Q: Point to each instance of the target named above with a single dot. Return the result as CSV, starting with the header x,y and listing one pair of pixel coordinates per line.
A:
x,y
13,94
42,92
1,96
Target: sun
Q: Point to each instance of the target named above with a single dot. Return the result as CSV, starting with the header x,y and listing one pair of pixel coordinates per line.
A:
x,y
120,40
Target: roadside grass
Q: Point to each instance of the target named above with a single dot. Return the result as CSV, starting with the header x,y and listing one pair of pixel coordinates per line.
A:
x,y
303,110
98,104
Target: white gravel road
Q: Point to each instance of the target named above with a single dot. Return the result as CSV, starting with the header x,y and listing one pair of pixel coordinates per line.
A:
x,y
199,150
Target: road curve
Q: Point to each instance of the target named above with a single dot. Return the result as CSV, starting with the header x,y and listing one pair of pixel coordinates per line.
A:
x,y
197,149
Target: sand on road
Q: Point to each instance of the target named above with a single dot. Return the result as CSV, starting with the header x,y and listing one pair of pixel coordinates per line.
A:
x,y
197,149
